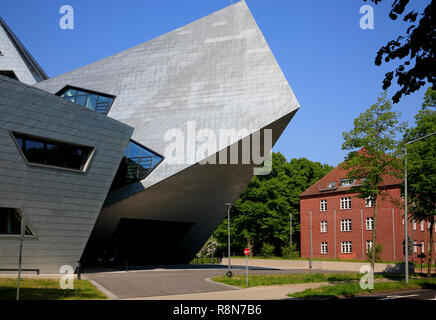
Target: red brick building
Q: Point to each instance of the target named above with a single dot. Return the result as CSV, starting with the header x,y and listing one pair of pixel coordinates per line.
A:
x,y
342,223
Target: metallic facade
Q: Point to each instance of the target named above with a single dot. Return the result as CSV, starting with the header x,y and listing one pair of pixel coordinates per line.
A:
x,y
216,73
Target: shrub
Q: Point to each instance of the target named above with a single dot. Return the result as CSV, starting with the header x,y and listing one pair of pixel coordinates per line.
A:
x,y
267,250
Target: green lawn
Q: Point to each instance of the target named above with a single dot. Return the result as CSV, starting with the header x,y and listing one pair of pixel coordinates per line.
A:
x,y
277,279
353,289
47,289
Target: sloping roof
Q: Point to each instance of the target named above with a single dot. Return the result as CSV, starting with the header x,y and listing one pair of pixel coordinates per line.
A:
x,y
19,54
334,177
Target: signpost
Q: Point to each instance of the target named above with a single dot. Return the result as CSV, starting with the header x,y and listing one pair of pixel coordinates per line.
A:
x,y
247,252
20,252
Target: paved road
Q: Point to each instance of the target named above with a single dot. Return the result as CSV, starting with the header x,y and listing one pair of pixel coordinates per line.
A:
x,y
423,294
174,280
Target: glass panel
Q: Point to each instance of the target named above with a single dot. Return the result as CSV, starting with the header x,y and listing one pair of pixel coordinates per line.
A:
x,y
70,92
71,99
34,151
55,155
20,142
134,150
91,102
81,100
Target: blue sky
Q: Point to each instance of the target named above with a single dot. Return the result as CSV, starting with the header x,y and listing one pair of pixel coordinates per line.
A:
x,y
326,57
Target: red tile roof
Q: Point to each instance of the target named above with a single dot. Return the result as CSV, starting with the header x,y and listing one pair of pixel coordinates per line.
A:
x,y
335,176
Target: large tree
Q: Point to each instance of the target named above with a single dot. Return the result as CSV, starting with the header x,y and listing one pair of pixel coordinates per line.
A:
x,y
261,214
421,167
415,49
373,156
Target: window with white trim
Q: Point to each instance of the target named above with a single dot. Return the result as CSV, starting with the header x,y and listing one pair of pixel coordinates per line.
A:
x,y
346,183
369,223
369,203
346,247
323,205
422,225
323,226
324,248
414,225
422,247
346,225
415,247
368,246
345,203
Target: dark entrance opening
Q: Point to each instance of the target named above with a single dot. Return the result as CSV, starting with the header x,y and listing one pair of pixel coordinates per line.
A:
x,y
139,242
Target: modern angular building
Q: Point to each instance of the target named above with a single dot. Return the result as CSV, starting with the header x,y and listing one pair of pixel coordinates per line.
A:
x,y
87,156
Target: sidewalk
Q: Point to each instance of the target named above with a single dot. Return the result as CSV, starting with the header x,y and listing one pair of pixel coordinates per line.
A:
x,y
255,293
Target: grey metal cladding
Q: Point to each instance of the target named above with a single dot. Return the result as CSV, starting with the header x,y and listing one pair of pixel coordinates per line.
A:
x,y
217,71
60,205
16,58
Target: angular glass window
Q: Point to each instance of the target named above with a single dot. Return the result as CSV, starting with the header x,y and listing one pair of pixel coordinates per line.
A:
x,y
38,150
10,222
98,102
137,163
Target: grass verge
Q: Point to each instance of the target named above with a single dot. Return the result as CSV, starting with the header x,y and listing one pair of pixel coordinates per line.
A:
x,y
48,289
348,290
277,279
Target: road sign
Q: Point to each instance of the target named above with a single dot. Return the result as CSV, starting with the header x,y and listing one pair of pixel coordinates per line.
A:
x,y
247,252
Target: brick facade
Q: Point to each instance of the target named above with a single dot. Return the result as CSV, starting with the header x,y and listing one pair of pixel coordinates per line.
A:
x,y
390,223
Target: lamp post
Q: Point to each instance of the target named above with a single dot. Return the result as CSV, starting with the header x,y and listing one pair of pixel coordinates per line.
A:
x,y
229,272
290,235
406,240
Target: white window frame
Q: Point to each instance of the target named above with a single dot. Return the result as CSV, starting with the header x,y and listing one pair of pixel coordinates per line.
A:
x,y
368,245
346,247
369,202
345,225
422,225
323,205
324,248
345,203
414,225
370,223
422,247
323,227
415,248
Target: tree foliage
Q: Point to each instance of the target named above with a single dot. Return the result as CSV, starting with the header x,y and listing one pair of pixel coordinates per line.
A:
x,y
421,165
261,214
416,48
373,155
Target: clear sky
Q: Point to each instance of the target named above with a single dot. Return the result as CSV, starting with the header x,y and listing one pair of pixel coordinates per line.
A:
x,y
326,57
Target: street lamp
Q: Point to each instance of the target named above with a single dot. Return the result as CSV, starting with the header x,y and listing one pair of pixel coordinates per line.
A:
x,y
406,240
229,273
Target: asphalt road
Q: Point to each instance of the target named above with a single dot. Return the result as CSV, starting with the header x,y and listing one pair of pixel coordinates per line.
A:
x,y
423,294
161,281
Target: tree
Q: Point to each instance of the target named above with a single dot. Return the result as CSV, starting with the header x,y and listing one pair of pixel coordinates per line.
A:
x,y
417,48
373,154
421,167
261,214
